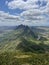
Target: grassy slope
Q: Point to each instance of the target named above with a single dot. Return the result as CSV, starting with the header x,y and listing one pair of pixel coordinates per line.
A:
x,y
13,58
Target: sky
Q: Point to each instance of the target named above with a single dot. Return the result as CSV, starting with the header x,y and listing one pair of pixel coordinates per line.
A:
x,y
27,12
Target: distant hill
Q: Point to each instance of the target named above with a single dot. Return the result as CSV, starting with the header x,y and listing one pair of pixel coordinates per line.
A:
x,y
7,27
4,29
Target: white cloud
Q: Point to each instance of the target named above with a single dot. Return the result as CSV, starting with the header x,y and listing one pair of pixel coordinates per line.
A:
x,y
34,17
8,19
28,17
26,5
22,5
36,12
42,5
4,15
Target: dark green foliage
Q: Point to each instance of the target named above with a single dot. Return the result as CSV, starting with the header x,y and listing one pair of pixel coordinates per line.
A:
x,y
28,46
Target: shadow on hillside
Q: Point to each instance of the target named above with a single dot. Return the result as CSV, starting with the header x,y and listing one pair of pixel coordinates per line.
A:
x,y
28,46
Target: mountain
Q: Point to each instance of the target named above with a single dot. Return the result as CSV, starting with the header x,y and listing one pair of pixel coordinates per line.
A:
x,y
22,38
26,31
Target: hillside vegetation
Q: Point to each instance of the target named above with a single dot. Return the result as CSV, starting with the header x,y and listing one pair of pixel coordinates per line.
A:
x,y
24,46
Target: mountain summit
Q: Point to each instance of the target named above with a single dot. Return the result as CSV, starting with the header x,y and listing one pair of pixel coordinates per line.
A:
x,y
26,31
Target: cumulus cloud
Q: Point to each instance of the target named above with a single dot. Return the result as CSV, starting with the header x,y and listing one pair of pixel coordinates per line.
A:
x,y
22,4
4,15
26,5
35,16
36,12
29,4
8,19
